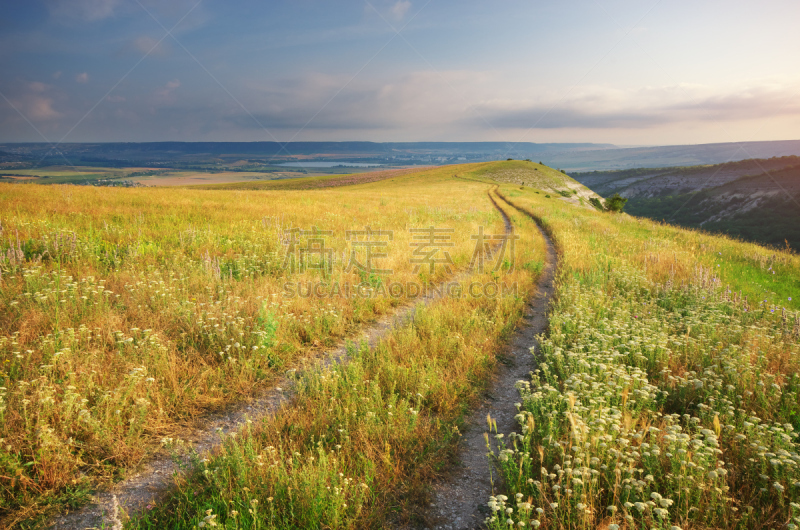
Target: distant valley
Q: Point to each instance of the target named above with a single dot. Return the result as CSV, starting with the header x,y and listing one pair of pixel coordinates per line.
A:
x,y
755,199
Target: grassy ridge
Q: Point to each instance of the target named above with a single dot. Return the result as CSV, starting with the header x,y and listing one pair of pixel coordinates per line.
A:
x,y
667,393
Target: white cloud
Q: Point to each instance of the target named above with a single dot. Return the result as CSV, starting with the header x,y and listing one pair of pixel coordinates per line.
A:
x,y
400,9
37,107
596,107
83,77
149,45
165,94
37,87
421,99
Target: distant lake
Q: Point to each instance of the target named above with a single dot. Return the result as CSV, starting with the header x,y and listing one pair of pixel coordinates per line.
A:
x,y
327,164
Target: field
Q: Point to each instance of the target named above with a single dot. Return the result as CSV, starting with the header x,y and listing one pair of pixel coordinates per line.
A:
x,y
128,313
666,394
310,183
271,176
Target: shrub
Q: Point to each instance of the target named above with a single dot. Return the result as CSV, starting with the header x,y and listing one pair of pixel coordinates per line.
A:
x,y
615,203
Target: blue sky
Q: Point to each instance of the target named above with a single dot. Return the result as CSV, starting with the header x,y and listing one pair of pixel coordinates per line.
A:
x,y
624,72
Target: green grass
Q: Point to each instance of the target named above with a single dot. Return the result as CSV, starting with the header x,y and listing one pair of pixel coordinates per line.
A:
x,y
664,398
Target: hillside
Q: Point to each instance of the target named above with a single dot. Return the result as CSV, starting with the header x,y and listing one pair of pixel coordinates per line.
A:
x,y
669,155
758,200
539,177
654,182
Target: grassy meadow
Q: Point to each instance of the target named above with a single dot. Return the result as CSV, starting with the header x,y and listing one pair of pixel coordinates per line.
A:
x,y
666,394
127,313
667,389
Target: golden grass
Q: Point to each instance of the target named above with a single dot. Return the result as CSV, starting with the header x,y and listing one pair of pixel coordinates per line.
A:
x,y
125,313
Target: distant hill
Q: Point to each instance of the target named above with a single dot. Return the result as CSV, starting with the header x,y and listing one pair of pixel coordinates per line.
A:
x,y
122,153
261,155
669,155
213,155
757,199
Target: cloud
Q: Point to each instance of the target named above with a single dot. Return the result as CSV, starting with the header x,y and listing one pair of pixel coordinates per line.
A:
x,y
37,87
34,100
57,75
41,109
87,10
165,94
115,99
314,101
83,77
149,45
36,107
400,9
603,108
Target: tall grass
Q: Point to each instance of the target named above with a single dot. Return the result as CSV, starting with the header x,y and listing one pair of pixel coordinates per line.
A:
x,y
362,440
667,389
126,314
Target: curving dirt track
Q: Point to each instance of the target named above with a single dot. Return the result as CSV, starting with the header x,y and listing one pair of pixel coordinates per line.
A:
x,y
460,499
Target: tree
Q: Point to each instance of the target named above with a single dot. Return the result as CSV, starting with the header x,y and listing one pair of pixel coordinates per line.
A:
x,y
615,203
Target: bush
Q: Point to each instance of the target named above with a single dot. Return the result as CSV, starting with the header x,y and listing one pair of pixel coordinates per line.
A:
x,y
615,203
594,201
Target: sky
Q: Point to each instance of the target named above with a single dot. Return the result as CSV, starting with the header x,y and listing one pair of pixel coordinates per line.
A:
x,y
644,72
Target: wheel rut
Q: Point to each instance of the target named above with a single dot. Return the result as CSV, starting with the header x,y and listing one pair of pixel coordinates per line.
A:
x,y
153,480
460,498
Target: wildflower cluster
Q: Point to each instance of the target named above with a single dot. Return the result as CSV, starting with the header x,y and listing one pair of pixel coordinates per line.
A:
x,y
656,406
